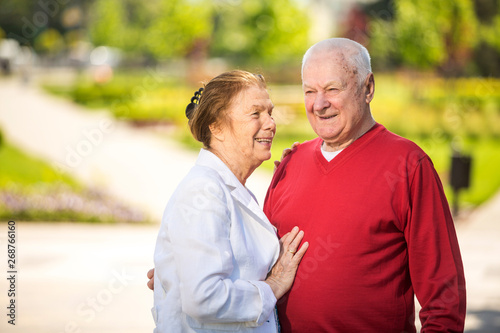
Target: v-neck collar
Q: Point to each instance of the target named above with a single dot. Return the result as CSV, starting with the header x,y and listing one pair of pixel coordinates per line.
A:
x,y
346,153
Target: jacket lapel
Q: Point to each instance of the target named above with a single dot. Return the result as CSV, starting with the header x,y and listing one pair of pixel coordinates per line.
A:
x,y
238,191
242,195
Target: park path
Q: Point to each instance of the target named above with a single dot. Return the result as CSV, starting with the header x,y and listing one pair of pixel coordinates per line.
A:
x,y
91,278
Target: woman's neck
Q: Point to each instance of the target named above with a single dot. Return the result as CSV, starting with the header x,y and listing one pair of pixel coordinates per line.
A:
x,y
241,171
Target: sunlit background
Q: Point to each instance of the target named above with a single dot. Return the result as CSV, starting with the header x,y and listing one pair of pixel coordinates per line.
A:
x,y
93,136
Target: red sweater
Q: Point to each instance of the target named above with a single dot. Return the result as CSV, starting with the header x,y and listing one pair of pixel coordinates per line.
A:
x,y
379,229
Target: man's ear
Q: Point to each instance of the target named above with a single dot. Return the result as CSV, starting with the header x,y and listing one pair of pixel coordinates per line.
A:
x,y
369,88
216,131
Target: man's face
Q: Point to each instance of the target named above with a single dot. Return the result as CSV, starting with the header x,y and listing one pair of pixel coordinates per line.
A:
x,y
336,105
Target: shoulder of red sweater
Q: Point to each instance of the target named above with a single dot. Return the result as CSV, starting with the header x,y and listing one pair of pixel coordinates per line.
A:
x,y
306,147
310,144
396,143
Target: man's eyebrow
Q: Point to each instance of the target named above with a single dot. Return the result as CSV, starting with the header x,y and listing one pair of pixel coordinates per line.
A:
x,y
329,83
334,83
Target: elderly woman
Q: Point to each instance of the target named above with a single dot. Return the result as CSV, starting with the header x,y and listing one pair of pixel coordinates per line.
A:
x,y
218,263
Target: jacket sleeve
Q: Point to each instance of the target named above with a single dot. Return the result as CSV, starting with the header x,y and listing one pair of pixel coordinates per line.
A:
x,y
199,227
436,268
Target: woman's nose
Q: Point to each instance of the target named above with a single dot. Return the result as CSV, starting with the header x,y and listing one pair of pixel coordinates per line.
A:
x,y
269,123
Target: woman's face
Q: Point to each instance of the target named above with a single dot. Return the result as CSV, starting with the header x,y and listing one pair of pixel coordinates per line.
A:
x,y
250,132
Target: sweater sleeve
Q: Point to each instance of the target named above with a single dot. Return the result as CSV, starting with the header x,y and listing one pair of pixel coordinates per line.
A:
x,y
199,229
435,262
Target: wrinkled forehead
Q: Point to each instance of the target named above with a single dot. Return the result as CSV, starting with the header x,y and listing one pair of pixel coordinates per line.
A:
x,y
330,56
253,96
328,65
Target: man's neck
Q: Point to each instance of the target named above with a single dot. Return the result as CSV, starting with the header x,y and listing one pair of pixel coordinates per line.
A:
x,y
334,146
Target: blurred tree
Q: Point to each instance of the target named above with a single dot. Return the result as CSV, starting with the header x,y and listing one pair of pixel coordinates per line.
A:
x,y
425,34
108,24
486,10
179,28
382,44
270,31
487,52
24,20
240,29
157,28
13,17
436,33
246,30
50,42
380,30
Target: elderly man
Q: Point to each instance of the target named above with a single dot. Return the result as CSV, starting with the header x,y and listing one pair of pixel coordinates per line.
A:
x,y
373,208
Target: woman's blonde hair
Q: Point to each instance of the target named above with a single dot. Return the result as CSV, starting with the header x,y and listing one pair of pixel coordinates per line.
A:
x,y
215,100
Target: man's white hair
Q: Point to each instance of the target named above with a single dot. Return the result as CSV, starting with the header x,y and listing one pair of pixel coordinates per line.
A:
x,y
355,54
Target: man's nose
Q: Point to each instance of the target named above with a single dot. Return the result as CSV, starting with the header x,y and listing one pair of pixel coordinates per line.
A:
x,y
320,102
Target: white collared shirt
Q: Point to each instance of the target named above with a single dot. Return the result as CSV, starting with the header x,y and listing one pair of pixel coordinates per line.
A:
x,y
214,249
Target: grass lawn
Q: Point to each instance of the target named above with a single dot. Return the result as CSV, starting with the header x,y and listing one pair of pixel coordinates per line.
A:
x,y
31,190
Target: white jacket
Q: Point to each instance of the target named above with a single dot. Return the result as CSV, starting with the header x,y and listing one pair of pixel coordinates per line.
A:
x,y
214,249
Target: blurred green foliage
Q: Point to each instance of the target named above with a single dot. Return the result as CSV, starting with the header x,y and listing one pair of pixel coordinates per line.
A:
x,y
433,33
129,97
162,29
49,42
449,35
158,30
429,106
456,37
267,31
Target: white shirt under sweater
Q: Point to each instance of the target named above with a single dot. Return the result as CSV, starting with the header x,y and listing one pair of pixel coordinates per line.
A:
x,y
329,155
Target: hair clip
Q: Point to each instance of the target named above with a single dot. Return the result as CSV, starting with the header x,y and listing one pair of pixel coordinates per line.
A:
x,y
195,100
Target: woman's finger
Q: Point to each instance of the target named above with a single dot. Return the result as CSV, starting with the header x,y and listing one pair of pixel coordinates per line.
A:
x,y
295,238
290,237
297,257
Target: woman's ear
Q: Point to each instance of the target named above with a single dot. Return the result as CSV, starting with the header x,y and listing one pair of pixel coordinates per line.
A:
x,y
217,132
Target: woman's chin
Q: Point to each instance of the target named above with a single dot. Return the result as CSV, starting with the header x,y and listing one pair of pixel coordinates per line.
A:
x,y
262,160
267,157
